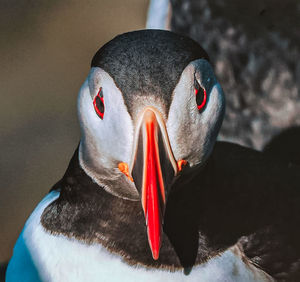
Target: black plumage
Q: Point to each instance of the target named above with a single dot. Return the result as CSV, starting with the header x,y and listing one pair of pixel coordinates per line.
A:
x,y
285,146
239,196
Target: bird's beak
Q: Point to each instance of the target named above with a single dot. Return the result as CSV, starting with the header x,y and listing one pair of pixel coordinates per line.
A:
x,y
153,168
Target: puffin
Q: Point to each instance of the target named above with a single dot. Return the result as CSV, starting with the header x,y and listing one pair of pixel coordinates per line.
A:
x,y
149,194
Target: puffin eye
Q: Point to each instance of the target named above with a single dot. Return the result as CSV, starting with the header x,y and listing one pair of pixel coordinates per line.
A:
x,y
200,94
99,103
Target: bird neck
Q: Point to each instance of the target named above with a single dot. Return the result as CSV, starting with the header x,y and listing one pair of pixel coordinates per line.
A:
x,y
208,210
92,215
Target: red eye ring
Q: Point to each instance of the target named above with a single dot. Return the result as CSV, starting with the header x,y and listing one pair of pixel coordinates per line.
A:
x,y
202,103
99,104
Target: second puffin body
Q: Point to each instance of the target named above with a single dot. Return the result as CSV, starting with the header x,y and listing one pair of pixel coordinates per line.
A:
x,y
148,195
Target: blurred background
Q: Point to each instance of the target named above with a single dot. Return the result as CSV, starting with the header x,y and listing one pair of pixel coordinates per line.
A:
x,y
46,49
254,47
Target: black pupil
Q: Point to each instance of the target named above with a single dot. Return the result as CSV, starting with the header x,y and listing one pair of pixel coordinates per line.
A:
x,y
200,93
99,104
100,93
200,96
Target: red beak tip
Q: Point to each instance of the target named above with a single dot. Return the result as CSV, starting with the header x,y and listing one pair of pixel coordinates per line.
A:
x,y
155,255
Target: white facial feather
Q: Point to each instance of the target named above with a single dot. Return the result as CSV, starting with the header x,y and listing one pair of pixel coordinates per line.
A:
x,y
112,137
192,133
107,142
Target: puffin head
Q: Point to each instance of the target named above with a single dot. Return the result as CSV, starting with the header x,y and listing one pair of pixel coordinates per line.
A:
x,y
150,107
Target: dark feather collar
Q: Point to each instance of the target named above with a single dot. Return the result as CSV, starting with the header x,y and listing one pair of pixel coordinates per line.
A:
x,y
239,196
